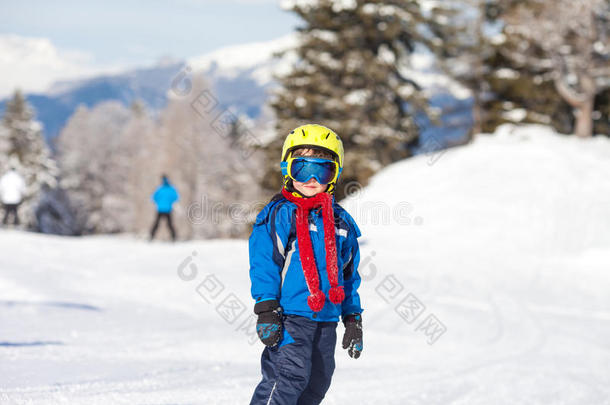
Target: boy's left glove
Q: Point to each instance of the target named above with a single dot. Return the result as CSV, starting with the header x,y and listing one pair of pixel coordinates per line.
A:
x,y
269,323
352,339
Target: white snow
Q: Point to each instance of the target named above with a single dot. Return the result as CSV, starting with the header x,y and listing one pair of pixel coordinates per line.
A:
x,y
327,59
243,55
506,73
340,5
421,67
498,39
385,54
406,90
429,5
300,102
306,5
324,35
357,97
369,8
515,115
505,241
232,61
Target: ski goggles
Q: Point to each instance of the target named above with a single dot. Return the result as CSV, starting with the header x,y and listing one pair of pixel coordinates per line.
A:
x,y
304,168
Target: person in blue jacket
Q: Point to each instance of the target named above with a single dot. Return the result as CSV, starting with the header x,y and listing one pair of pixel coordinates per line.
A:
x,y
164,197
304,258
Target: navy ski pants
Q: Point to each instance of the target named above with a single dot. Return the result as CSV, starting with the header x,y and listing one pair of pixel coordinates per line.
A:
x,y
298,371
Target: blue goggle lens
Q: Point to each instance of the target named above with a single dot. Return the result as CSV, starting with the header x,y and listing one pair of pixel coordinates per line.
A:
x,y
303,169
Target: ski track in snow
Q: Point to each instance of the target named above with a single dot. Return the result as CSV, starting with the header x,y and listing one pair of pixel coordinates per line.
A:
x,y
512,257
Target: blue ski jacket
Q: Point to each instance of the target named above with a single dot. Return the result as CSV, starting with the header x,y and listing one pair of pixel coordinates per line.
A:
x,y
275,264
164,197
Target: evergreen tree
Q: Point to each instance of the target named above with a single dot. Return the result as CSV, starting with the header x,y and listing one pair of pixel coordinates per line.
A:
x,y
520,93
351,76
22,146
569,39
532,61
466,48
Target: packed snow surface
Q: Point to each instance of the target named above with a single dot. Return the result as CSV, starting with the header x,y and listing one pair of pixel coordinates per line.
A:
x,y
486,281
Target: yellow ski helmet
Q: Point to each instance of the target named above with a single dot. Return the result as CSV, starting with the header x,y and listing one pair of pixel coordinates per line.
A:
x,y
316,137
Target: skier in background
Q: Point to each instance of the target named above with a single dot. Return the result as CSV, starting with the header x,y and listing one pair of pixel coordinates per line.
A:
x,y
12,188
164,197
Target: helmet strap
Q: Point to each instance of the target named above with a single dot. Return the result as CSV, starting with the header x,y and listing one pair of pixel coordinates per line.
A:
x,y
290,187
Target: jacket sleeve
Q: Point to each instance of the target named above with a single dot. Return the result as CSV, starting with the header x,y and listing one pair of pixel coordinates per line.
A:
x,y
266,246
351,277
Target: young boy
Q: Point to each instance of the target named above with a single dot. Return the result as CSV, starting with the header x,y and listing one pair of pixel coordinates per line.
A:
x,y
303,266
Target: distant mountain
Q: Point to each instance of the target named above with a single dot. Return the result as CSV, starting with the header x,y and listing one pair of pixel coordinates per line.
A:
x,y
55,107
240,77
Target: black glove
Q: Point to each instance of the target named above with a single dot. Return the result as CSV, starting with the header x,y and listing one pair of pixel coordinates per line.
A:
x,y
352,339
269,323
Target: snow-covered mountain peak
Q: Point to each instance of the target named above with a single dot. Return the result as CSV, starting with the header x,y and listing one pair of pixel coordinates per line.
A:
x,y
233,60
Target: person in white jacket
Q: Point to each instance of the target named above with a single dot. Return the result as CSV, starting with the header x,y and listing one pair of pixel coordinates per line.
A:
x,y
12,189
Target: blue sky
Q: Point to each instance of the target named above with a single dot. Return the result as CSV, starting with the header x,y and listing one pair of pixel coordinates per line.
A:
x,y
133,32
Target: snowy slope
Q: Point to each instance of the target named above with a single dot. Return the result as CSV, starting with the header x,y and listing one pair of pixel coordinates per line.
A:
x,y
505,242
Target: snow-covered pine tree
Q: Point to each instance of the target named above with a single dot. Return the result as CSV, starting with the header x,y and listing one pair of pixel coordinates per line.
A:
x,y
350,77
570,38
506,53
518,93
139,137
209,165
23,147
94,166
112,158
5,146
466,47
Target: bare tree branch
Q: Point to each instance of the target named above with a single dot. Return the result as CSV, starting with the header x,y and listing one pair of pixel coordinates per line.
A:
x,y
575,100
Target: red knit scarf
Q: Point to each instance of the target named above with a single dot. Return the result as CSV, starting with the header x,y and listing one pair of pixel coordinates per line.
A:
x,y
304,205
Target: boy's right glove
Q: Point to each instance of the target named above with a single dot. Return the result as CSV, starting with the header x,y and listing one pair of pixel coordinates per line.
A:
x,y
352,339
269,323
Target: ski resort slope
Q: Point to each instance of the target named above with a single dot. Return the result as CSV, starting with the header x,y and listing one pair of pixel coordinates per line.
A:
x,y
486,281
